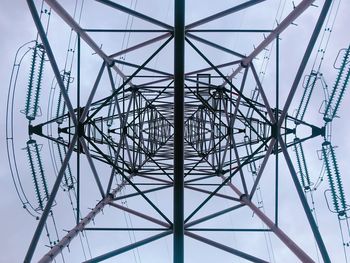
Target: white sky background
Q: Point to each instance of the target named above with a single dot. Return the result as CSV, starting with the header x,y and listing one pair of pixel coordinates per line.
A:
x,y
17,227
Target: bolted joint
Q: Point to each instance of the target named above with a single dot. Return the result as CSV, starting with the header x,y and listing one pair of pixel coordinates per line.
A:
x,y
111,63
125,130
316,131
38,129
243,197
110,196
81,130
274,130
244,64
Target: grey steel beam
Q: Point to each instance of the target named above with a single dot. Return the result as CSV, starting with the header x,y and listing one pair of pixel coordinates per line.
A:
x,y
129,247
291,94
135,14
103,102
210,68
298,10
262,167
140,45
179,85
214,215
92,166
231,250
139,214
209,192
224,13
215,45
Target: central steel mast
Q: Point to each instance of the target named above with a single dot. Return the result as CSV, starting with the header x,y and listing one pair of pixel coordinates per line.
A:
x,y
179,85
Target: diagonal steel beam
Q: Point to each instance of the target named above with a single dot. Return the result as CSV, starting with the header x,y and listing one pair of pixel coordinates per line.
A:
x,y
128,247
226,181
223,13
214,45
139,214
231,250
262,167
227,80
110,162
213,215
135,14
92,166
140,45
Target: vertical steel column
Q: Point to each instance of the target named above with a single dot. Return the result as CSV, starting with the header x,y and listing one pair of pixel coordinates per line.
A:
x,y
78,117
277,130
179,63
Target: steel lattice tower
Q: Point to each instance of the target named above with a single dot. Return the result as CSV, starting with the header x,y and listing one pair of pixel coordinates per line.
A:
x,y
170,130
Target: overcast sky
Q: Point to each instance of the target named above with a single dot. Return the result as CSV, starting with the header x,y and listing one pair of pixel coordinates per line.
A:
x,y
16,28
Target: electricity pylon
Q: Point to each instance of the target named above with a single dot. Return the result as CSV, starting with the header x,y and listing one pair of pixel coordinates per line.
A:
x,y
169,130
